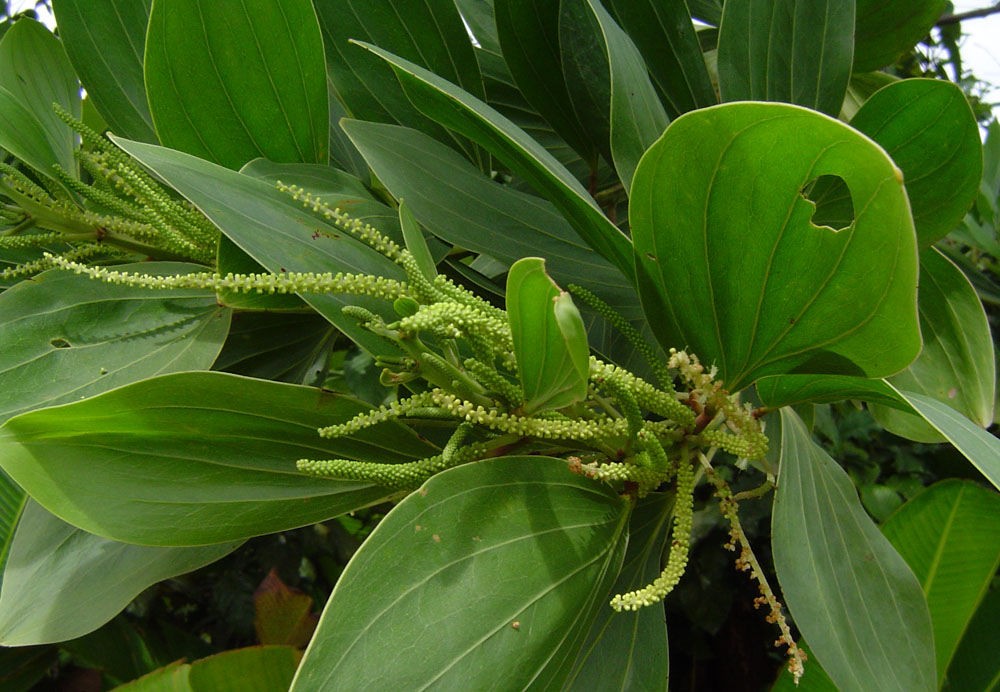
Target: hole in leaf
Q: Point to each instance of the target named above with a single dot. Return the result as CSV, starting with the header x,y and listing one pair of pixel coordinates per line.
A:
x,y
832,199
60,343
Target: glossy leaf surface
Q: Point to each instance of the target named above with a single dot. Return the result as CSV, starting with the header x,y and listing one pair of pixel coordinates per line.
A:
x,y
950,537
62,582
232,80
550,341
787,51
105,40
885,29
194,458
514,556
732,266
849,592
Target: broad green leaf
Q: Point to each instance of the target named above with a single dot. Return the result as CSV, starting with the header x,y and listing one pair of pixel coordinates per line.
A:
x,y
949,535
791,390
478,16
975,444
637,118
783,50
34,69
194,458
976,665
12,500
885,29
850,593
628,651
252,669
232,80
170,678
550,341
732,267
68,337
514,556
105,41
285,347
473,118
61,582
957,365
23,136
272,228
528,31
927,127
430,34
666,38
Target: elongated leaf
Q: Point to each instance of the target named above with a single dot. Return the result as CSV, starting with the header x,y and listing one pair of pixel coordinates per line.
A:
x,y
791,390
666,38
956,365
885,29
787,51
68,337
732,266
272,228
12,500
35,70
515,556
61,583
430,34
850,593
628,651
23,136
950,537
105,41
975,666
550,342
977,445
473,118
194,458
232,80
929,130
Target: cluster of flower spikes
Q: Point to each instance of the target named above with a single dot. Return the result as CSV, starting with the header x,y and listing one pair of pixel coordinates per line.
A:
x,y
122,211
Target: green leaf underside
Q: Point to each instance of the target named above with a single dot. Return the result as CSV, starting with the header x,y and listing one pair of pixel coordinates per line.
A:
x,y
232,80
732,267
195,458
68,337
550,341
628,651
457,548
787,51
850,593
61,582
105,40
950,537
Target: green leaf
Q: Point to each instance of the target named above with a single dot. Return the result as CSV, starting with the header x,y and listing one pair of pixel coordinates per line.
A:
x,y
628,651
792,390
787,51
666,38
68,337
949,535
929,130
61,582
957,365
23,136
34,69
976,665
285,347
732,267
272,228
514,555
430,34
550,341
21,669
105,41
415,242
195,458
232,80
469,116
12,500
885,29
252,669
850,593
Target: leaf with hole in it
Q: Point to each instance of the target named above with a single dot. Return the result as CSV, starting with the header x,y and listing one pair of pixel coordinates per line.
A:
x,y
732,267
195,458
852,596
232,80
550,341
950,537
956,365
783,50
514,556
62,582
114,30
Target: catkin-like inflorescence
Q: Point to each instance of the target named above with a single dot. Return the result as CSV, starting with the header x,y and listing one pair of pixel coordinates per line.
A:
x,y
649,397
